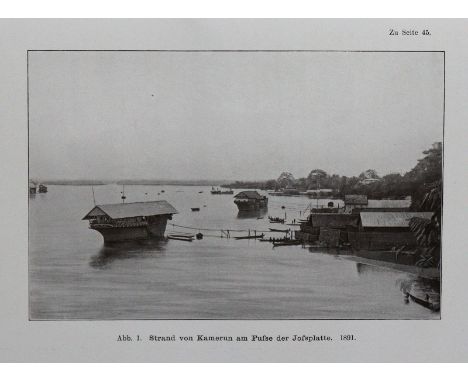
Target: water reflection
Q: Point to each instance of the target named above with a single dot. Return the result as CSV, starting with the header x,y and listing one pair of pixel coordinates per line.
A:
x,y
127,250
252,214
366,268
72,274
416,290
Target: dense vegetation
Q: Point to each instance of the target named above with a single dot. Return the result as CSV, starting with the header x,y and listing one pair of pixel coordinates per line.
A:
x,y
416,182
428,231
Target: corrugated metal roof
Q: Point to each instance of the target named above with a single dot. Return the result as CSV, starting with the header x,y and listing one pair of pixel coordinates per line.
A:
x,y
355,199
249,195
334,220
391,219
128,210
405,203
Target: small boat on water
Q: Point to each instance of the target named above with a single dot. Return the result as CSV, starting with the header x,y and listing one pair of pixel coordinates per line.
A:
x,y
276,240
180,237
279,230
276,220
249,237
195,209
287,242
184,234
425,301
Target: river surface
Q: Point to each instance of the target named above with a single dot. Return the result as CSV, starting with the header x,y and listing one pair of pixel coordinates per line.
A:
x,y
73,276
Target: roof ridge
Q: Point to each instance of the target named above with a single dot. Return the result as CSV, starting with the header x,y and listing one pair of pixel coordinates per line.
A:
x,y
126,203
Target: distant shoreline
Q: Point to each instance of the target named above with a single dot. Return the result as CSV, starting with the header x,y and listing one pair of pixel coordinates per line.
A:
x,y
215,183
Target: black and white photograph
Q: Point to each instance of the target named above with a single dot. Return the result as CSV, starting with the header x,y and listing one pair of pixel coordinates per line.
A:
x,y
235,184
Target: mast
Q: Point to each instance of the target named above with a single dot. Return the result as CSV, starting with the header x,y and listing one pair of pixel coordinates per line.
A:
x,y
317,194
123,197
94,199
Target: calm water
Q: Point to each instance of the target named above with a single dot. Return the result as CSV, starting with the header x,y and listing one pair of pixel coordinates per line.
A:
x,y
73,276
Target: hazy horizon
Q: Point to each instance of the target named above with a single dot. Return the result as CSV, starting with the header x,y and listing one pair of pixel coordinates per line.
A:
x,y
229,115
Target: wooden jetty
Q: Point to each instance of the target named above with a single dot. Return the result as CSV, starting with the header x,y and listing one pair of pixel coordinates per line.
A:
x,y
279,230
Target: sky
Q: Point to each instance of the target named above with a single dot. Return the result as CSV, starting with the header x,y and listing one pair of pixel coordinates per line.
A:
x,y
230,115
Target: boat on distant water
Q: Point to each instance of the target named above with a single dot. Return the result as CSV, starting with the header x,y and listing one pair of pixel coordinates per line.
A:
x,y
276,220
250,237
287,242
131,221
32,187
279,230
288,191
250,200
195,209
217,191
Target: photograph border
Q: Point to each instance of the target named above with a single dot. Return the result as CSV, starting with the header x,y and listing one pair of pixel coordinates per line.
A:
x,y
237,51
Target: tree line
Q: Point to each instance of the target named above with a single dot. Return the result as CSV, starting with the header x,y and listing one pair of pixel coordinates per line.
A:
x,y
414,183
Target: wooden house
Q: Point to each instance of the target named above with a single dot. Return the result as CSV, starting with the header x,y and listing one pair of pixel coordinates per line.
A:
x,y
330,228
131,221
250,200
385,230
385,205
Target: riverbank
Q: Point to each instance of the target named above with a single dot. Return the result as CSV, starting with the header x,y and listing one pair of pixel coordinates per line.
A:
x,y
425,273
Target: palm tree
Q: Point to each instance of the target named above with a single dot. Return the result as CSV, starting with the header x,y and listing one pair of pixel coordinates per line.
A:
x,y
428,231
